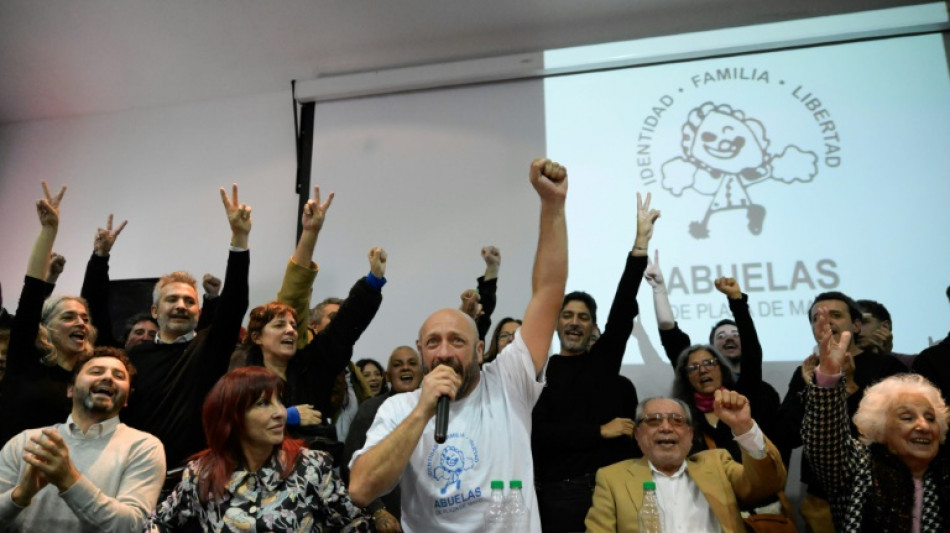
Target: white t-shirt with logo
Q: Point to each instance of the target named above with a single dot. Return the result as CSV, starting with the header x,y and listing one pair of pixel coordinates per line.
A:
x,y
446,487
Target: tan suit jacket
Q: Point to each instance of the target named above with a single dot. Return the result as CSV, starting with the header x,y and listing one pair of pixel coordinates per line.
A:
x,y
619,490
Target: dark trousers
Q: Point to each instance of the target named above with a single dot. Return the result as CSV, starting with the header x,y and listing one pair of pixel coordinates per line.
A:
x,y
563,505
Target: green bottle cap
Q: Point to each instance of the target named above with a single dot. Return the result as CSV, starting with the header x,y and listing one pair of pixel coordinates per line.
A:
x,y
515,484
649,485
497,484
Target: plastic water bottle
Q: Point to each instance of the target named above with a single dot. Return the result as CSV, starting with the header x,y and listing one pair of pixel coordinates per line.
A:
x,y
496,518
651,520
516,508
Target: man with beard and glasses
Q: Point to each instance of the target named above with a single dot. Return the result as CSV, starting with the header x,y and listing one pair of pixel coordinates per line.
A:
x,y
584,418
178,369
446,486
91,473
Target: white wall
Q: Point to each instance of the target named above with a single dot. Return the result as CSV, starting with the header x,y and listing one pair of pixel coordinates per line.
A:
x,y
160,169
431,192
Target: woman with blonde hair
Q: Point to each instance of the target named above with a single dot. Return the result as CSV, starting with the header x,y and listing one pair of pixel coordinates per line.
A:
x,y
46,338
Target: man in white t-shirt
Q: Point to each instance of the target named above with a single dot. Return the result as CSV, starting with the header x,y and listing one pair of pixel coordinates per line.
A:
x,y
445,487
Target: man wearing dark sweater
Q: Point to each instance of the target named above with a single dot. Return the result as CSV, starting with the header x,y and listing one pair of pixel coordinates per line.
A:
x,y
584,418
177,370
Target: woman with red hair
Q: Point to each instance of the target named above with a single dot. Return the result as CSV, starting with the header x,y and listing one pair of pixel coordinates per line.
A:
x,y
252,477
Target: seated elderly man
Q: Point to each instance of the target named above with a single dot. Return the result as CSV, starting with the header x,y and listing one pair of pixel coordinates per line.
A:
x,y
698,493
91,473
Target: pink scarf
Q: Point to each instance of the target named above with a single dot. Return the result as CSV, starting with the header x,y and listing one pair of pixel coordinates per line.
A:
x,y
704,402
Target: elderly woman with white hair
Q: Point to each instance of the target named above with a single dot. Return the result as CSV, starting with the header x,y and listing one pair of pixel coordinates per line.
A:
x,y
896,477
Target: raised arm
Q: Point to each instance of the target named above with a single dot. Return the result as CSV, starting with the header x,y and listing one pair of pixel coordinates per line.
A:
x,y
661,298
761,472
674,339
549,275
48,210
487,289
334,345
95,284
301,270
751,361
22,353
225,327
831,451
610,348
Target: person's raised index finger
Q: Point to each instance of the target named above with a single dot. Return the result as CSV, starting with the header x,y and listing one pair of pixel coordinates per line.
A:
x,y
234,194
646,204
46,190
224,198
109,223
121,227
639,202
326,205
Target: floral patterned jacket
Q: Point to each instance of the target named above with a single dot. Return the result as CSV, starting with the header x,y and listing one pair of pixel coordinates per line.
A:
x,y
311,498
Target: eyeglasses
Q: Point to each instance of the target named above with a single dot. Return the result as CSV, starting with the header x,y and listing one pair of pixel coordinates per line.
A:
x,y
506,336
708,363
726,334
655,420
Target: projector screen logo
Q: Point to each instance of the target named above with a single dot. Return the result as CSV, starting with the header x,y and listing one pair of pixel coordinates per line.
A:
x,y
724,154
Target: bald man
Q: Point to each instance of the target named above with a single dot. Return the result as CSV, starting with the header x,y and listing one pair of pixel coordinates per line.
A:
x,y
445,487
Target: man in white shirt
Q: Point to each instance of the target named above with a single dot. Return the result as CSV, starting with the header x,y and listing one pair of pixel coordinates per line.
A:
x,y
446,486
697,494
91,473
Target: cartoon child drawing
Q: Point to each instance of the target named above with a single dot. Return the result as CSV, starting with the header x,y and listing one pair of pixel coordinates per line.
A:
x,y
723,154
451,465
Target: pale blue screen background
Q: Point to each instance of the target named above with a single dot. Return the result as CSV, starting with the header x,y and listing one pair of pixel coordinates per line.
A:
x,y
854,188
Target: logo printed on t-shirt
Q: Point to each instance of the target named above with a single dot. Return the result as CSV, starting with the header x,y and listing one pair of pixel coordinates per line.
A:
x,y
447,462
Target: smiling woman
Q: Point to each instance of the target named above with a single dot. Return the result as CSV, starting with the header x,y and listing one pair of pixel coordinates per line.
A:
x,y
898,477
46,338
250,460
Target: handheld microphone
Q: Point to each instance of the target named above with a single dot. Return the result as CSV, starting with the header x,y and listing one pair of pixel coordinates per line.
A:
x,y
442,419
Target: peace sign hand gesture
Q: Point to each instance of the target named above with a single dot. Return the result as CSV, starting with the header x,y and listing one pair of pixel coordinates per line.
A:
x,y
48,208
105,237
239,217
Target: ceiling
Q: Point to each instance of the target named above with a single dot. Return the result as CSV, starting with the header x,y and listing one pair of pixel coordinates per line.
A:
x,y
62,58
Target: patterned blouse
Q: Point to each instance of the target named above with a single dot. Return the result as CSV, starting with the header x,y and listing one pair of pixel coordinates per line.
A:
x,y
311,498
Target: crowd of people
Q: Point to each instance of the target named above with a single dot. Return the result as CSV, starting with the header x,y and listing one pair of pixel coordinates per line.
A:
x,y
271,425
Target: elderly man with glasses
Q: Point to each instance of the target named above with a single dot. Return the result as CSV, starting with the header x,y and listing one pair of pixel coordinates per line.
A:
x,y
698,493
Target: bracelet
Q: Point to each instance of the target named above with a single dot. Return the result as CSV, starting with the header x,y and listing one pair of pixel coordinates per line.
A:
x,y
642,248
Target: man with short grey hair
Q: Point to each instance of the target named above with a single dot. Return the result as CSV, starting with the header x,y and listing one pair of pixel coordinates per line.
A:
x,y
178,369
698,493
